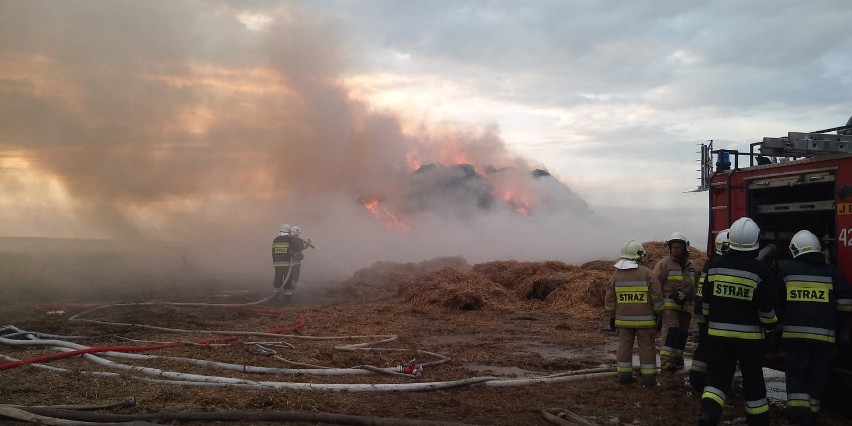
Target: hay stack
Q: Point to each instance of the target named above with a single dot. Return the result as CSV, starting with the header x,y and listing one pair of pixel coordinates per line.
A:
x,y
458,289
599,265
529,280
582,295
384,280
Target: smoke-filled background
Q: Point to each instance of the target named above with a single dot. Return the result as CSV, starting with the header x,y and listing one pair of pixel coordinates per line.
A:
x,y
206,125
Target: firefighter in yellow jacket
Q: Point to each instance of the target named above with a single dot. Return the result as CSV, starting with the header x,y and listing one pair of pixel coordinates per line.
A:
x,y
677,276
633,296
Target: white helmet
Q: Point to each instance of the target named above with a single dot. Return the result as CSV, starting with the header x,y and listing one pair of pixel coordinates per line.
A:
x,y
677,236
723,241
285,230
744,235
295,230
804,242
633,250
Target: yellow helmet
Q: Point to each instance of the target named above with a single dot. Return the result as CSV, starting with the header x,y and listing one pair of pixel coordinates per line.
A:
x,y
632,250
723,241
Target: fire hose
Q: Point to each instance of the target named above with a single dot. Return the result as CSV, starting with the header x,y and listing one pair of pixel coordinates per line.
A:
x,y
72,417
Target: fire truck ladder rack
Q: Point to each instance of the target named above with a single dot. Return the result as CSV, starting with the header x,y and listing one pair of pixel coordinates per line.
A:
x,y
794,145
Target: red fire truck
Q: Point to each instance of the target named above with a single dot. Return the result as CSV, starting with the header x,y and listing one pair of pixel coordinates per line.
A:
x,y
786,184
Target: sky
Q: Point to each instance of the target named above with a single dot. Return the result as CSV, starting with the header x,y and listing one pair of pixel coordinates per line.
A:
x,y
213,122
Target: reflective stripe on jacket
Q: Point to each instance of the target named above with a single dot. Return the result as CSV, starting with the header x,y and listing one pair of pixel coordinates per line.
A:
x,y
811,292
674,277
634,296
281,254
737,297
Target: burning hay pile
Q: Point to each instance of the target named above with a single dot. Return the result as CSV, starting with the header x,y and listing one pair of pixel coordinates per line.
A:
x,y
450,283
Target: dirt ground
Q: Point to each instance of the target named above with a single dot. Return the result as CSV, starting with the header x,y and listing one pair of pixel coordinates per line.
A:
x,y
484,327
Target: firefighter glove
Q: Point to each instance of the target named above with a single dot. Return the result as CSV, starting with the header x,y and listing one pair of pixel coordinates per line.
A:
x,y
612,322
679,297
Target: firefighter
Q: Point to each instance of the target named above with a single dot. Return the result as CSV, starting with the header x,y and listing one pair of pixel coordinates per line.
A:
x,y
677,275
737,302
813,292
633,295
282,260
699,358
297,247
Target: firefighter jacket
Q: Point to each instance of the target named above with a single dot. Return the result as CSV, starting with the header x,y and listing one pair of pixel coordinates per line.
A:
x,y
737,297
675,276
634,296
281,254
813,292
696,305
297,246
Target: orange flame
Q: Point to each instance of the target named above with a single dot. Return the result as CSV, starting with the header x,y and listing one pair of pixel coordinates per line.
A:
x,y
413,161
520,203
382,213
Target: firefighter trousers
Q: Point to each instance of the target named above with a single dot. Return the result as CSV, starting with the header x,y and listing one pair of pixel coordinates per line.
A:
x,y
644,337
806,368
286,276
673,338
699,360
722,358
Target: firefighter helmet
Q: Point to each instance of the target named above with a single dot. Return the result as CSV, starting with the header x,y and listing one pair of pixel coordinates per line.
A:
x,y
677,236
285,230
633,250
295,230
744,235
723,242
804,242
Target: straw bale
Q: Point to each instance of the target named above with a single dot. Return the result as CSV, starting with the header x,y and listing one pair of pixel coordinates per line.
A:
x,y
385,280
599,265
582,295
458,289
519,276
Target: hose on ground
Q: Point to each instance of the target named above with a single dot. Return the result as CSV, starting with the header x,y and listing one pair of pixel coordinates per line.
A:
x,y
269,416
84,350
27,416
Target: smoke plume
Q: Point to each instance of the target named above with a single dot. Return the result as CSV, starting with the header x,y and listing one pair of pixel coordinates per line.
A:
x,y
180,121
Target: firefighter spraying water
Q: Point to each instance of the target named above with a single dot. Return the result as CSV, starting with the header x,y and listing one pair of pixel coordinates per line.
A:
x,y
287,254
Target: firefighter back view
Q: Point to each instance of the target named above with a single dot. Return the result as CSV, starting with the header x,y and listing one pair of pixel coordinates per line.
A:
x,y
633,295
677,276
737,301
282,260
297,248
699,357
813,293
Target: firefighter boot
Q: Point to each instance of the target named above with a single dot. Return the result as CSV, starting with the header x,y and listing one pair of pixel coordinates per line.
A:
x,y
711,412
625,378
668,350
696,378
648,380
681,345
801,416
